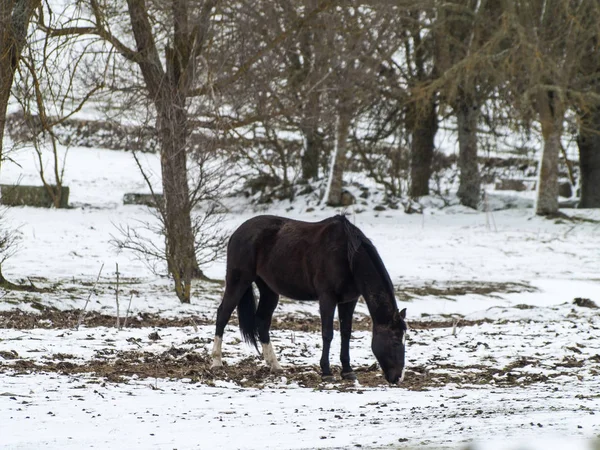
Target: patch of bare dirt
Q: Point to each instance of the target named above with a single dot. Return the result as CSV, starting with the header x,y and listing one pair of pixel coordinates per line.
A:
x,y
313,323
363,323
49,317
407,292
194,365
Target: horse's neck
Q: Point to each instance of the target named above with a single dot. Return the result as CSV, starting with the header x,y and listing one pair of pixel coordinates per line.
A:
x,y
381,307
374,285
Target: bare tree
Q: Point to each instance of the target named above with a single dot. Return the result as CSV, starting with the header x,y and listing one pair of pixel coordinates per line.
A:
x,y
148,240
361,42
588,139
462,29
283,96
544,54
308,65
305,85
180,78
588,142
184,32
413,68
470,50
50,94
15,16
9,242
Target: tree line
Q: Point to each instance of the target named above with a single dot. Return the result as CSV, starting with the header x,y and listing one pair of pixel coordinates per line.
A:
x,y
372,78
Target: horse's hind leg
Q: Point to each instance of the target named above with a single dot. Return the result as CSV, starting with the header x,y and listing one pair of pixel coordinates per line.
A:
x,y
345,312
264,314
231,298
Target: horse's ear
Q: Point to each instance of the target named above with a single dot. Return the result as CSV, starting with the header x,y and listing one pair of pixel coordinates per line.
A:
x,y
403,314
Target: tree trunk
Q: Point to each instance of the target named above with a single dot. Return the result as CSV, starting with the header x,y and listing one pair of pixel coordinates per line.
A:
x,y
313,143
551,112
181,256
15,16
547,195
588,142
467,115
424,127
168,91
333,195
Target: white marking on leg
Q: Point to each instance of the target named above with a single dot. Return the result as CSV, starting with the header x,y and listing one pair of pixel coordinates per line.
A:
x,y
216,353
271,357
402,376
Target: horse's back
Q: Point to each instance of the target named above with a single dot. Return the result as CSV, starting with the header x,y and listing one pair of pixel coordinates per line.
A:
x,y
295,258
265,227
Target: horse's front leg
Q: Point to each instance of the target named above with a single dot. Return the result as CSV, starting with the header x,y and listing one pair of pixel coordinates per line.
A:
x,y
345,312
327,307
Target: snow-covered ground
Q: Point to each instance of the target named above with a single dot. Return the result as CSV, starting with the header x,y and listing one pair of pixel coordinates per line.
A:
x,y
520,368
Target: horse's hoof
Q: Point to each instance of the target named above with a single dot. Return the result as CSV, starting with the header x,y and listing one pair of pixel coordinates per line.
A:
x,y
327,378
216,366
351,376
276,370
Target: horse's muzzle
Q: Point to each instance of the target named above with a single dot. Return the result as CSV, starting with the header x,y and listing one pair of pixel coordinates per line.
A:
x,y
395,378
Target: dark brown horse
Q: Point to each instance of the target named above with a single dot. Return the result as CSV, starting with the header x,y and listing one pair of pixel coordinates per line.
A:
x,y
331,261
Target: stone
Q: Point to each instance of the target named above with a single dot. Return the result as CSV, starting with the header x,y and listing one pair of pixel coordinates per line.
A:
x,y
565,189
347,199
38,196
150,200
510,185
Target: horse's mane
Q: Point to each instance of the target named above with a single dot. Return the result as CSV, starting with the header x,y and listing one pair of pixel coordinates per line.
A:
x,y
356,239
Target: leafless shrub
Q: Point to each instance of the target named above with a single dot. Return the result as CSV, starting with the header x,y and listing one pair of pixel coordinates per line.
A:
x,y
147,239
50,93
9,240
83,312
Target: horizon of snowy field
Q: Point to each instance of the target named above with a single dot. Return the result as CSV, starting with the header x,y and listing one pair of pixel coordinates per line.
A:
x,y
545,263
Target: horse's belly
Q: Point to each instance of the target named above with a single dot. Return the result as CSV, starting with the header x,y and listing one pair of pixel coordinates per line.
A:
x,y
291,290
290,284
302,281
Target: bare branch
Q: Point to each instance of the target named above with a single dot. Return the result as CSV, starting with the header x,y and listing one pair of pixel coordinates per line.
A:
x,y
247,65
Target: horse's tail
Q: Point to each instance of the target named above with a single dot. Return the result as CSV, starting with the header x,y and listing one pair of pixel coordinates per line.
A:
x,y
246,311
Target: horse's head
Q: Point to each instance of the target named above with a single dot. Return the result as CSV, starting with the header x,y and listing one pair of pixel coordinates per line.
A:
x,y
388,346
